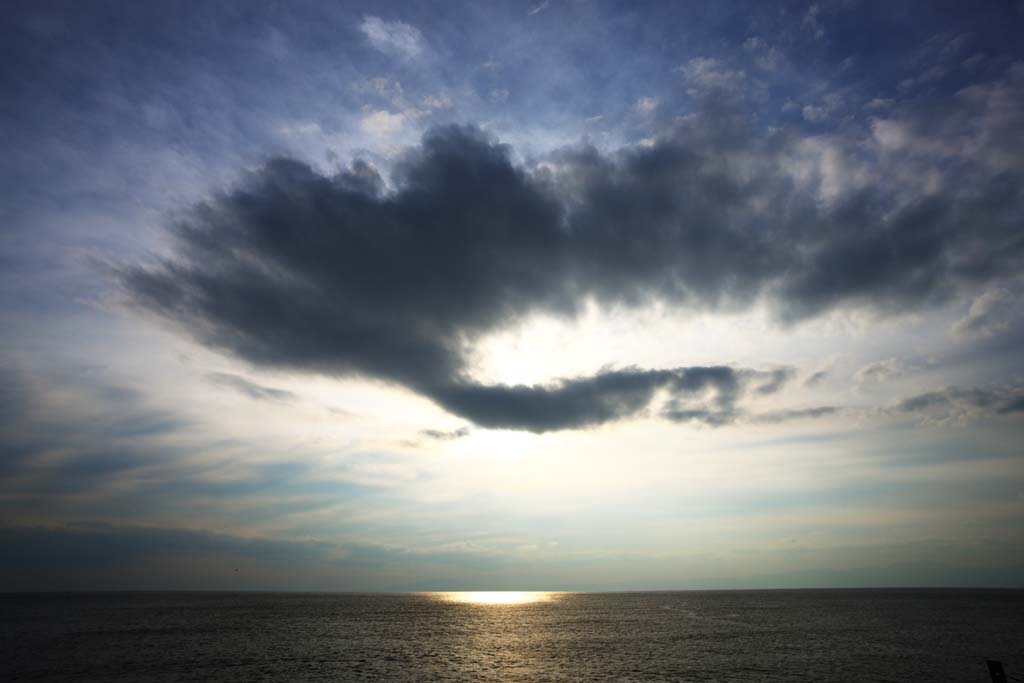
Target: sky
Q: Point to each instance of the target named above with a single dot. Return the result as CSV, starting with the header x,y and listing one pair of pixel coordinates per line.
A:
x,y
556,295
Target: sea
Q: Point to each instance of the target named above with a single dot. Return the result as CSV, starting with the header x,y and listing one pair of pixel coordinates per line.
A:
x,y
903,636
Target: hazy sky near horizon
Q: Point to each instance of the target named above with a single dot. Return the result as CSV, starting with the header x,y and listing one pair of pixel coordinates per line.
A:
x,y
566,294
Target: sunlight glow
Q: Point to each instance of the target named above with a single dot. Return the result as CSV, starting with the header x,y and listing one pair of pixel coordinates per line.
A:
x,y
498,444
498,597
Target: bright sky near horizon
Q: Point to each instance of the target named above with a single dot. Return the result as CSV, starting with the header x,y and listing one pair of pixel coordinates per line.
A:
x,y
565,295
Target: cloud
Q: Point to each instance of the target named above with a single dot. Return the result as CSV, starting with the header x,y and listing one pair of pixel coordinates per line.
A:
x,y
880,371
696,394
71,434
766,56
958,405
813,114
972,62
395,38
816,378
387,89
929,75
707,75
879,103
977,127
383,123
646,105
774,381
437,102
445,436
250,389
985,316
812,22
538,8
338,276
778,416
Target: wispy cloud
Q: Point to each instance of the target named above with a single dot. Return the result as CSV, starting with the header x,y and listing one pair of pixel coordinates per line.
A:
x,y
961,405
250,389
439,435
538,8
880,372
393,37
986,316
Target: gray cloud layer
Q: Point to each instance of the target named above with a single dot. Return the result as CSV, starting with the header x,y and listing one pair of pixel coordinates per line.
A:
x,y
340,275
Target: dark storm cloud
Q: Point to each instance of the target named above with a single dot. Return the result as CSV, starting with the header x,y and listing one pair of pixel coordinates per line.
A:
x,y
339,275
250,389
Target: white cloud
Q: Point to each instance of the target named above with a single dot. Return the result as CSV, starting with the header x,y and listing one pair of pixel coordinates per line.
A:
x,y
765,56
829,164
814,114
386,87
879,103
984,317
708,73
383,123
538,8
395,38
812,24
438,102
980,125
646,105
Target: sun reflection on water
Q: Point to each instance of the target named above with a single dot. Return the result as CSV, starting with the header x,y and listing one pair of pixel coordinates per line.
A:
x,y
498,597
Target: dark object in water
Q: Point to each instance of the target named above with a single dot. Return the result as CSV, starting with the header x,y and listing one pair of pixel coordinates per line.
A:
x,y
995,670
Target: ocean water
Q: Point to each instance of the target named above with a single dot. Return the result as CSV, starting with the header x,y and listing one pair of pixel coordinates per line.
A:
x,y
908,636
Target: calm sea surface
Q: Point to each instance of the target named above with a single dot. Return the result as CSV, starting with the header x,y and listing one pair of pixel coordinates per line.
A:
x,y
877,635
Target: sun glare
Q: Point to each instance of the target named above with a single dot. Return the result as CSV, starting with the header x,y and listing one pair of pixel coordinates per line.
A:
x,y
498,597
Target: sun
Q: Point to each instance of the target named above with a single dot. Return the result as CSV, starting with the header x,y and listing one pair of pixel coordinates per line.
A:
x,y
498,597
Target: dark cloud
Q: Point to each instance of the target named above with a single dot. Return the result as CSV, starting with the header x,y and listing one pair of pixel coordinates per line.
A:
x,y
961,404
340,276
777,416
1014,405
700,394
250,389
446,436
